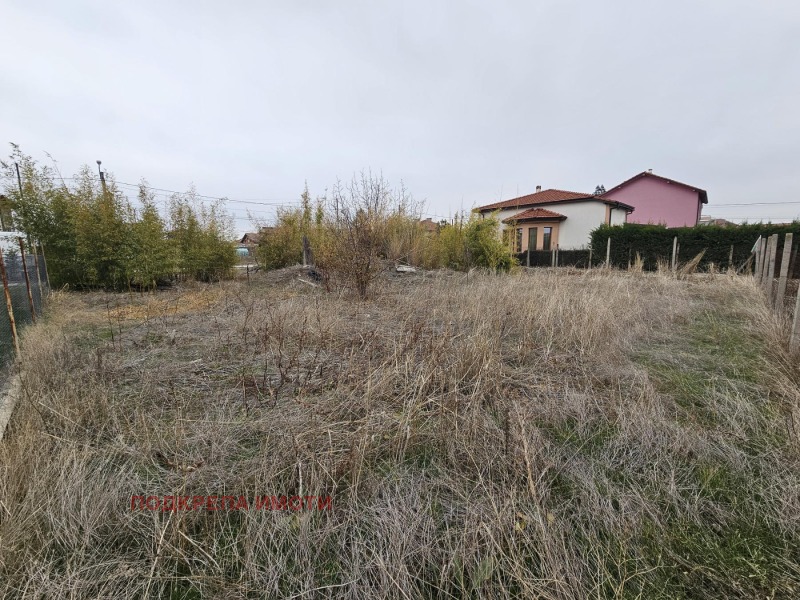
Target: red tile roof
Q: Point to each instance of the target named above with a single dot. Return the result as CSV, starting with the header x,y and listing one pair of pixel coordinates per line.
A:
x,y
429,226
703,194
543,197
535,214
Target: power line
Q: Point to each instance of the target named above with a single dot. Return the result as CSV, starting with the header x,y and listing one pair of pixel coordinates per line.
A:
x,y
755,203
163,193
261,202
265,202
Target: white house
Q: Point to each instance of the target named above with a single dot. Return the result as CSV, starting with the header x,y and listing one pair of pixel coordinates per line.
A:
x,y
550,219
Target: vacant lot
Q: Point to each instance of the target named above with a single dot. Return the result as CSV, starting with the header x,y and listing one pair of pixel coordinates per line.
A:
x,y
570,435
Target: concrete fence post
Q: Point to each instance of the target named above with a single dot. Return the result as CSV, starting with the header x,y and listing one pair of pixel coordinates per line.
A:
x,y
780,302
795,339
773,255
674,253
608,253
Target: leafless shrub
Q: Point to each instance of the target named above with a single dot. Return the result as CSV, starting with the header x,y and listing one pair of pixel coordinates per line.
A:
x,y
357,230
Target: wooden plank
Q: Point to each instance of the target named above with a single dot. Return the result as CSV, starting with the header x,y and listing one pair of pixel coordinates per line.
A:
x,y
759,253
765,261
780,298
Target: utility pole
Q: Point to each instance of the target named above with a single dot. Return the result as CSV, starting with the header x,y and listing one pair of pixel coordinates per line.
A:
x,y
102,176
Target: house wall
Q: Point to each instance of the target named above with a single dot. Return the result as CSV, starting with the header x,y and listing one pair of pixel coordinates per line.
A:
x,y
574,232
582,218
540,225
618,216
659,202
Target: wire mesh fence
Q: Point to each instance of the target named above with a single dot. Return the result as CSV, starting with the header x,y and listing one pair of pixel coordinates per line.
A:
x,y
25,286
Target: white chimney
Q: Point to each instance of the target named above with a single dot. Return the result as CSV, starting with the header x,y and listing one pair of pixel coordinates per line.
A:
x,y
538,189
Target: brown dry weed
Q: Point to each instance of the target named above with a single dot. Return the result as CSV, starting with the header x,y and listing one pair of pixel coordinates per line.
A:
x,y
539,435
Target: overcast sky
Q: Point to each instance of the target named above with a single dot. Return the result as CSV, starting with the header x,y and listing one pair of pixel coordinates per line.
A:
x,y
466,102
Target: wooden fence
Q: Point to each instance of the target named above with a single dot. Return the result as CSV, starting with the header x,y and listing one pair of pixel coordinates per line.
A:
x,y
772,272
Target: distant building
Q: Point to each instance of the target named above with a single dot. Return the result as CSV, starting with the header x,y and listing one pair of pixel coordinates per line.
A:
x,y
550,219
659,200
249,243
709,220
428,226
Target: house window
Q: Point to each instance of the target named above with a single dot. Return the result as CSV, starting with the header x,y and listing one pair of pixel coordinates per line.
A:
x,y
532,231
518,240
548,233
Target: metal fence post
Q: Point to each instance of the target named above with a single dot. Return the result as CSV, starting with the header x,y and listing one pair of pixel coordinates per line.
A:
x,y
27,279
44,265
38,277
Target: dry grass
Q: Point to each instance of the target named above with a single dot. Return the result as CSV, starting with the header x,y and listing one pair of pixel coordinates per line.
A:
x,y
591,434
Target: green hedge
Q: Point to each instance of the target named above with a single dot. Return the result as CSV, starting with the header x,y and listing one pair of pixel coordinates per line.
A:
x,y
654,242
544,258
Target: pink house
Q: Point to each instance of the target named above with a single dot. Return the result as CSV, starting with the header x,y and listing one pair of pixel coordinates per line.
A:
x,y
659,200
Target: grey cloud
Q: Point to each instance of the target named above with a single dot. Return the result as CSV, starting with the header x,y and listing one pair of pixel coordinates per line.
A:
x,y
459,99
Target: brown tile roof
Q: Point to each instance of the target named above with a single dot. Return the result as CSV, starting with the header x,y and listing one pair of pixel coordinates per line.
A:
x,y
535,214
250,238
543,197
703,194
429,226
